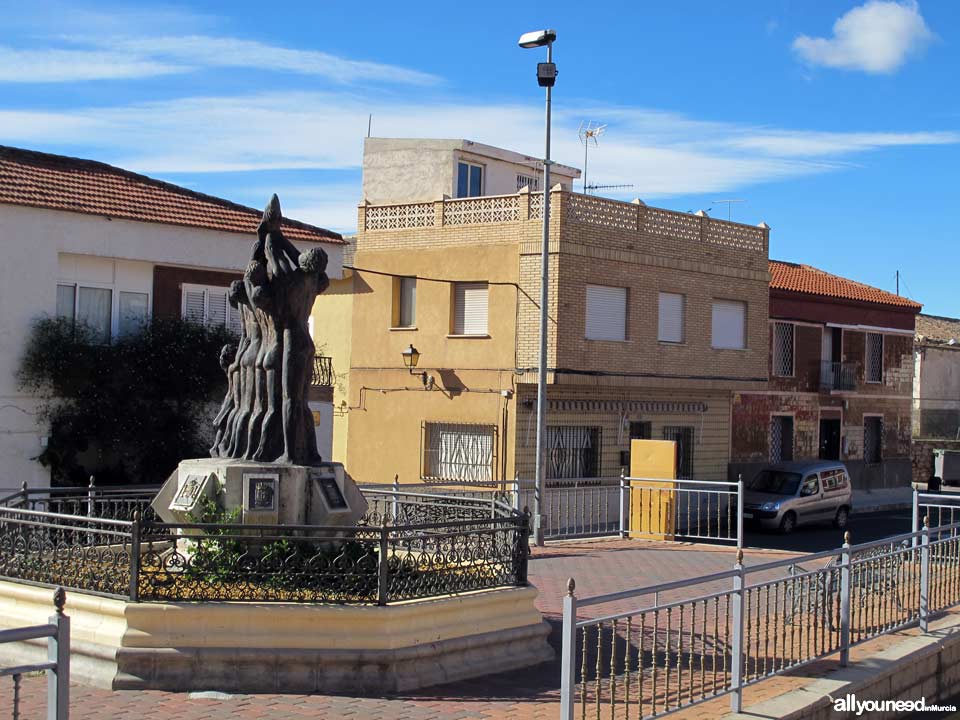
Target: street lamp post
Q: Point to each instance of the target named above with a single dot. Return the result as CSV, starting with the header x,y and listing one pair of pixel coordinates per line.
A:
x,y
546,77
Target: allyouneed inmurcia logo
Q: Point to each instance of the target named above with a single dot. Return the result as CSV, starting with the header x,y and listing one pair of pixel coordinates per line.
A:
x,y
849,703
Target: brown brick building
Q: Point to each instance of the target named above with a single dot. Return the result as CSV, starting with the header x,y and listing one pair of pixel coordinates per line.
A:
x,y
841,374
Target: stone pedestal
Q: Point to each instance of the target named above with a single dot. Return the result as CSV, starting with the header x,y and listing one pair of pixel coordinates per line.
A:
x,y
265,493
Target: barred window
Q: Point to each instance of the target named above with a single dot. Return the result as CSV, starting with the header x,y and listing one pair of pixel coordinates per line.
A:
x,y
781,438
873,439
573,451
683,437
454,451
874,357
783,336
528,181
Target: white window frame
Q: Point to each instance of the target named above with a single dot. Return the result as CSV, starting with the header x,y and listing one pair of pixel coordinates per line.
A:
x,y
397,311
683,318
713,327
483,178
194,287
594,333
531,182
114,300
866,357
454,305
793,348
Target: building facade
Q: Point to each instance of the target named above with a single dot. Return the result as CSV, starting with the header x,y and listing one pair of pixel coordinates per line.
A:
x,y
936,391
111,248
840,363
656,319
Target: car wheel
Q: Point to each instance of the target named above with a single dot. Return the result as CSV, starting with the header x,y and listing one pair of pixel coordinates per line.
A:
x,y
840,521
788,523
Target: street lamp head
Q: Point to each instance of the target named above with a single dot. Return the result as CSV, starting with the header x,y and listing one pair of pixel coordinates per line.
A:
x,y
411,356
537,38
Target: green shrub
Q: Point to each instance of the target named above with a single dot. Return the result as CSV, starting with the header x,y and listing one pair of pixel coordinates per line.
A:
x,y
126,412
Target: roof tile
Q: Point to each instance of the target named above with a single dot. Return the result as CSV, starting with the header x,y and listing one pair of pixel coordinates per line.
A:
x,y
57,182
794,277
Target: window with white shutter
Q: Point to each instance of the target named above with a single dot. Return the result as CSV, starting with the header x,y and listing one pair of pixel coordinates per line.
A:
x,y
470,308
670,328
606,313
729,324
209,305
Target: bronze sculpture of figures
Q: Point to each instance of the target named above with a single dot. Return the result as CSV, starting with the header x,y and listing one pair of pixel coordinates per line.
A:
x,y
265,416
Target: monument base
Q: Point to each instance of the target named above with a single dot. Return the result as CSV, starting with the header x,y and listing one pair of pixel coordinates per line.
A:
x,y
284,647
264,493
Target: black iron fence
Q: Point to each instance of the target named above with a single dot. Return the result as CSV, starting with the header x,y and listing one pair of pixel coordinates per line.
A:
x,y
838,376
407,546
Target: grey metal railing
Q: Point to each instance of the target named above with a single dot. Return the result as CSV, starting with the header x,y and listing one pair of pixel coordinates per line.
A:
x,y
941,509
711,636
838,376
57,667
576,507
683,509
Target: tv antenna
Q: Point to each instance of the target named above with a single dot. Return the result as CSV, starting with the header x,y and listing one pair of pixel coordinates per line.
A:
x,y
587,132
729,205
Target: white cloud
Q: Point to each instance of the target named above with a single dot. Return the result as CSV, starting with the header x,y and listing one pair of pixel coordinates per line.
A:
x,y
876,37
659,153
141,57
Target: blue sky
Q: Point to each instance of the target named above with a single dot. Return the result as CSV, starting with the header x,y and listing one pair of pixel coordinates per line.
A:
x,y
838,122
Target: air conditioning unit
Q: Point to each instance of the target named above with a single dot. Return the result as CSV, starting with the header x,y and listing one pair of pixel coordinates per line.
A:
x,y
946,466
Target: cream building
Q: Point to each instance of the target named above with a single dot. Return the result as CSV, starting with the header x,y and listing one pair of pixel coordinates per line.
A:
x,y
656,317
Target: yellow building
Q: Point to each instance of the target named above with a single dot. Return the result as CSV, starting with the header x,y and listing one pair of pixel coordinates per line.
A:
x,y
655,318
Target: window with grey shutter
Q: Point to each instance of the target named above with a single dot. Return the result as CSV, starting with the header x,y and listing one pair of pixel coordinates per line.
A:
x,y
670,326
606,313
783,335
470,309
407,299
729,326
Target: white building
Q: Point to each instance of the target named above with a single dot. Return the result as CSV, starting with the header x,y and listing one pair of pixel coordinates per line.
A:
x,y
936,383
91,241
410,170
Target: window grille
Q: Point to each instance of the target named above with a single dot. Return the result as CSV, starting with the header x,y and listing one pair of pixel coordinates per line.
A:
x,y
573,451
683,437
781,438
455,451
874,357
783,349
528,181
872,439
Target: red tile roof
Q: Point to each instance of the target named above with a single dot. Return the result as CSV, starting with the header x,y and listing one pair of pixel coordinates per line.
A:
x,y
64,183
793,277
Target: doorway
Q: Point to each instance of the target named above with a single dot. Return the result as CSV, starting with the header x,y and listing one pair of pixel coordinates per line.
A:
x,y
829,438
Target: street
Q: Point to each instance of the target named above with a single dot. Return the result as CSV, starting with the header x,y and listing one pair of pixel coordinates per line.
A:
x,y
863,528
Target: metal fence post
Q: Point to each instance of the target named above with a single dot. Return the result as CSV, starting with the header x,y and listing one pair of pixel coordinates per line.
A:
x,y
383,567
396,493
58,651
736,651
925,575
739,510
135,557
623,505
914,518
845,590
568,676
516,492
91,498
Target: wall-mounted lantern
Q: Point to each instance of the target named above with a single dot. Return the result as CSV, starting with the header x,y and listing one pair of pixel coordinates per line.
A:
x,y
411,356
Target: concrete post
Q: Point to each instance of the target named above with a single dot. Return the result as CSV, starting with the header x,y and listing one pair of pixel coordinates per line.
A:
x,y
925,575
845,590
58,651
736,651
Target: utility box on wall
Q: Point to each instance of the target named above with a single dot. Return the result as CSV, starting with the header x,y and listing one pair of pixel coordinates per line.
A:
x,y
946,466
653,503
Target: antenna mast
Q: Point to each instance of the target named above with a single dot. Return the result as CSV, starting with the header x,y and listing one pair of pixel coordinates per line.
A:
x,y
729,205
586,133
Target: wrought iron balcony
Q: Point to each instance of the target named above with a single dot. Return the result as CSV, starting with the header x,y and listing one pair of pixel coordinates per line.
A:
x,y
322,371
838,376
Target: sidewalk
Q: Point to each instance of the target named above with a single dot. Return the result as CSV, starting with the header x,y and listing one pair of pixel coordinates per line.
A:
x,y
865,501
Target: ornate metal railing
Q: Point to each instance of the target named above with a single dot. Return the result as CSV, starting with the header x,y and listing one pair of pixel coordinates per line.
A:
x,y
838,376
407,546
322,371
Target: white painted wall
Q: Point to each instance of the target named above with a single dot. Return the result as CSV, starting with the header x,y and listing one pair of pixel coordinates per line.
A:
x,y
324,428
42,247
936,380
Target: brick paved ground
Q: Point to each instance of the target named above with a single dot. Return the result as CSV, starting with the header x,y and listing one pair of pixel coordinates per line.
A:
x,y
598,566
